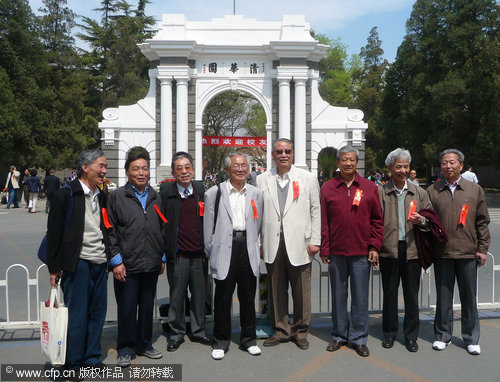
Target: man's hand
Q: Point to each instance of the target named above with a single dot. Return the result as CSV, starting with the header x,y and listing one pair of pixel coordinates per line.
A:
x,y
312,249
325,259
162,268
120,273
416,218
480,258
54,278
373,257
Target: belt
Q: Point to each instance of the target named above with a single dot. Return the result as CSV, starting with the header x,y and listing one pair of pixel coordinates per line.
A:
x,y
239,234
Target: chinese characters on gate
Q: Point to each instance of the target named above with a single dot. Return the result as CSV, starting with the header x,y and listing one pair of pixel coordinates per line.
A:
x,y
211,68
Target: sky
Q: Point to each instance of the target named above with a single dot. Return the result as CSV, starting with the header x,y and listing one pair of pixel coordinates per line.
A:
x,y
351,20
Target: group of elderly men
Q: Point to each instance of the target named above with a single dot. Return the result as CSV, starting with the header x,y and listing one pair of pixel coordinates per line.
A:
x,y
137,232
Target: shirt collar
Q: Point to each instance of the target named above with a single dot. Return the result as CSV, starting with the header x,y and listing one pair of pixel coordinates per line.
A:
x,y
339,180
400,191
454,184
145,192
181,189
232,189
87,191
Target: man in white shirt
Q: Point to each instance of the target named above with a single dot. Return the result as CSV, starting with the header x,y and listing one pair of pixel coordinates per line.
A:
x,y
231,229
469,175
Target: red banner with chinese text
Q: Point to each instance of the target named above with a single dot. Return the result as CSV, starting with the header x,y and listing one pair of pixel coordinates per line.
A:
x,y
235,141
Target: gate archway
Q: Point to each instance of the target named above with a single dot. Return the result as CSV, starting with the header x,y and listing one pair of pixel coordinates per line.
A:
x,y
192,62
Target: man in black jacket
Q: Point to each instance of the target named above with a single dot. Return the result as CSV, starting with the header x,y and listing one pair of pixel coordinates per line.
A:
x,y
183,204
137,247
50,185
79,252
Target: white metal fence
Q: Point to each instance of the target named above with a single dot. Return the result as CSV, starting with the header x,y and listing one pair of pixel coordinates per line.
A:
x,y
321,301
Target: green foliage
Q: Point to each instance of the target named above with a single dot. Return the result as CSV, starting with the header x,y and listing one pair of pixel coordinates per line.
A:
x,y
337,83
443,89
327,162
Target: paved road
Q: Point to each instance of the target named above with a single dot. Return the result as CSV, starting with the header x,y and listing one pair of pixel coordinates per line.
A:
x,y
20,235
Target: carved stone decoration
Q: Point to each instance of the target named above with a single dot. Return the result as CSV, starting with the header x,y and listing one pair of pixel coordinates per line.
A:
x,y
355,115
111,114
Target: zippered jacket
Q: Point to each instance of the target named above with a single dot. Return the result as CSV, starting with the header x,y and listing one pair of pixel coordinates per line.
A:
x,y
136,234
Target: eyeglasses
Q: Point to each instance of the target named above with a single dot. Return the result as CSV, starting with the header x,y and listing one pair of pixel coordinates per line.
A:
x,y
287,151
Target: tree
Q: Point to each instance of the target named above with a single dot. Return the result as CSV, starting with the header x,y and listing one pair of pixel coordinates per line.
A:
x,y
337,84
443,89
369,95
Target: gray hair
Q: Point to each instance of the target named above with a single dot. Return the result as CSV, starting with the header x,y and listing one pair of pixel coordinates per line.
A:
x,y
180,155
347,149
282,140
394,155
227,160
460,155
87,157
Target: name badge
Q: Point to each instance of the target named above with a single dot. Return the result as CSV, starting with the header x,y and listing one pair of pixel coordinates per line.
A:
x,y
357,197
413,208
463,214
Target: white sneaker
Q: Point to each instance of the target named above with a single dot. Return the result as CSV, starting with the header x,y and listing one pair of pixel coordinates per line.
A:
x,y
217,354
439,345
474,349
254,350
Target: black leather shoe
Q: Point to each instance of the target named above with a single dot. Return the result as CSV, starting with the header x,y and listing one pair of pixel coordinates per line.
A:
x,y
388,343
202,340
362,350
412,346
174,345
335,345
302,344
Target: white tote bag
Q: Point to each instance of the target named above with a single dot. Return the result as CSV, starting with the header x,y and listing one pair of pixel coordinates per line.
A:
x,y
53,327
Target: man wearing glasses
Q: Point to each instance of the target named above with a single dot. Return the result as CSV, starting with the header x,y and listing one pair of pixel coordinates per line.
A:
x,y
291,231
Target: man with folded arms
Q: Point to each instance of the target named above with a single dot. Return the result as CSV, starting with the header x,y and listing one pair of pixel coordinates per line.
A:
x,y
352,233
137,246
232,245
462,208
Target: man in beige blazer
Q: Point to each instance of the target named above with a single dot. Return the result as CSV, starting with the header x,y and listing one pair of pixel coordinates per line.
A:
x,y
291,233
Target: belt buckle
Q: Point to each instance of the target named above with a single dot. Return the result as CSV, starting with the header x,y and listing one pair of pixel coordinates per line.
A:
x,y
238,234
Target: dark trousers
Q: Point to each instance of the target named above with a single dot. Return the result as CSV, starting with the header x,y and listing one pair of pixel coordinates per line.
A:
x,y
282,273
182,273
135,302
465,271
85,295
353,327
409,272
240,272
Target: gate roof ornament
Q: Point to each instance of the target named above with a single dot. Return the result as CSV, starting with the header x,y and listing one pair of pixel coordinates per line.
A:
x,y
178,37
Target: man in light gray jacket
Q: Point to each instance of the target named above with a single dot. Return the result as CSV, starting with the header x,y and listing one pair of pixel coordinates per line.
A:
x,y
231,228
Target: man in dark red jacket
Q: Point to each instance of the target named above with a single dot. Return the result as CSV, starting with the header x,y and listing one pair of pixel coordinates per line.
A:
x,y
352,233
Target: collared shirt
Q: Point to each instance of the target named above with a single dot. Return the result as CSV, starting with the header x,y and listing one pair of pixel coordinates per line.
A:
x,y
453,186
182,189
237,202
283,180
141,196
91,194
469,175
401,194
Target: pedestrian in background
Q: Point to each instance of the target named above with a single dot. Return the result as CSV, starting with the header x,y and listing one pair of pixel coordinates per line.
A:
x,y
12,185
51,184
34,185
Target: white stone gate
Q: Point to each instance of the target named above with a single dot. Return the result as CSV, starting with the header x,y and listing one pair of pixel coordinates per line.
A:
x,y
192,62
